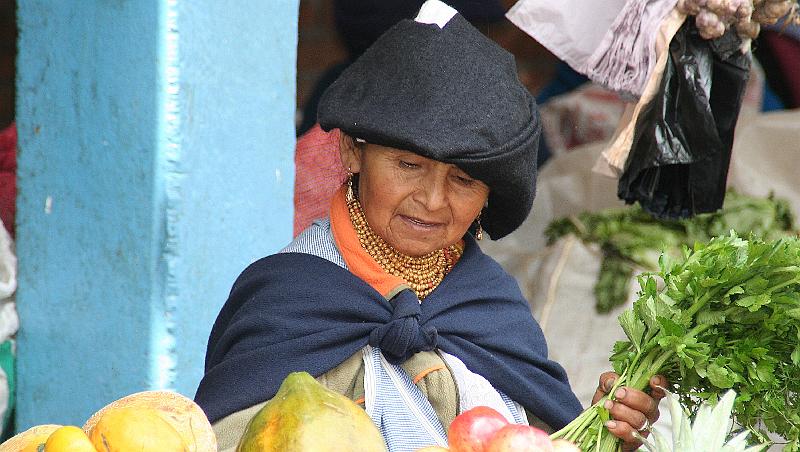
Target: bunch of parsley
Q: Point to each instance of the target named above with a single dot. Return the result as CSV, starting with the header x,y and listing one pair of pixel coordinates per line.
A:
x,y
631,240
725,315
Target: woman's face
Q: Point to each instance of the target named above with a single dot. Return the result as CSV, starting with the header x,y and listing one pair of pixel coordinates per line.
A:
x,y
417,205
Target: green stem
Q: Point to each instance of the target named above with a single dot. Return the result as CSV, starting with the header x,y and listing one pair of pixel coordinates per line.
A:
x,y
701,302
655,367
578,425
644,365
783,284
697,330
658,359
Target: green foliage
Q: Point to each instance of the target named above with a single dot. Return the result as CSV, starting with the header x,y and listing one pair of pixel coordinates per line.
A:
x,y
632,239
725,316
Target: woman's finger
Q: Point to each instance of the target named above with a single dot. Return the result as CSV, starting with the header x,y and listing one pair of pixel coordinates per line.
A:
x,y
636,401
625,432
635,416
658,384
605,385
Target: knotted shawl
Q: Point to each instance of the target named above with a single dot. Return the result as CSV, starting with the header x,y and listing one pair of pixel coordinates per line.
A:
x,y
298,312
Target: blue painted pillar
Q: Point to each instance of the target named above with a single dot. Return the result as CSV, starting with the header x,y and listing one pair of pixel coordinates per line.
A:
x,y
155,162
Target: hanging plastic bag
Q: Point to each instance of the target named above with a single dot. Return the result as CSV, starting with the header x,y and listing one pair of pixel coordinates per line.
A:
x,y
612,161
682,142
571,29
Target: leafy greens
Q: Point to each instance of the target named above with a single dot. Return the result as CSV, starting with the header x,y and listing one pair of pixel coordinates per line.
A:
x,y
725,315
631,240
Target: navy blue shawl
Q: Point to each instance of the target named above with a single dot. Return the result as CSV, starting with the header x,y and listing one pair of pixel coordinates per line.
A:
x,y
292,311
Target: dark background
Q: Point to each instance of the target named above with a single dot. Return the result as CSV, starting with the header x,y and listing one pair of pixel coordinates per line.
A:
x,y
8,52
319,47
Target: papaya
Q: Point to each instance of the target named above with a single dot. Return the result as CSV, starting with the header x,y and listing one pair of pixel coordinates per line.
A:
x,y
181,412
304,416
125,429
30,440
68,438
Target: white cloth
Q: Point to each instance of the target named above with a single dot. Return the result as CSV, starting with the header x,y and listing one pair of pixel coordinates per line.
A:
x,y
571,29
612,42
404,416
474,391
627,56
8,264
435,12
9,321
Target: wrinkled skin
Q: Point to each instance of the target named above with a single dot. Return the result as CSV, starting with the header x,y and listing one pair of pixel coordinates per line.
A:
x,y
417,205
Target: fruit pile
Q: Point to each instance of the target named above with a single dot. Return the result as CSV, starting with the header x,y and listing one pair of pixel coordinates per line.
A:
x,y
482,429
150,421
303,416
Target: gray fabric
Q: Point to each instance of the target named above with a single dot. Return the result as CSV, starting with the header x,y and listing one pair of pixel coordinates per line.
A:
x,y
317,240
449,94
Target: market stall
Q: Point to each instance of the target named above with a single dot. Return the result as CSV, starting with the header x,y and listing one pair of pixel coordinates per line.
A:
x,y
666,247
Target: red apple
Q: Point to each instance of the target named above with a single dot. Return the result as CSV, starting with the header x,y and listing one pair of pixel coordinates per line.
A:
x,y
471,430
562,445
520,438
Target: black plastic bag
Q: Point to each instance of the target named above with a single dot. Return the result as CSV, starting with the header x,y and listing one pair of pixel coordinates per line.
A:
x,y
681,149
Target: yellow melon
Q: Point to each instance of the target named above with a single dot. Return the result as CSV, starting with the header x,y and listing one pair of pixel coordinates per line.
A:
x,y
181,412
128,429
29,440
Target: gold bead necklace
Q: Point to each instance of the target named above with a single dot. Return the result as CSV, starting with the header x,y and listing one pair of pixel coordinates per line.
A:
x,y
423,274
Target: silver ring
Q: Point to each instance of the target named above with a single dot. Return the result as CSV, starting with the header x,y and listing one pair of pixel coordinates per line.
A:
x,y
646,426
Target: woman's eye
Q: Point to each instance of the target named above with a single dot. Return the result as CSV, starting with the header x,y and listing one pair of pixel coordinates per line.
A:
x,y
465,180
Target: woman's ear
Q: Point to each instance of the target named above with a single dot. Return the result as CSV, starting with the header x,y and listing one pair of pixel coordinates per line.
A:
x,y
350,153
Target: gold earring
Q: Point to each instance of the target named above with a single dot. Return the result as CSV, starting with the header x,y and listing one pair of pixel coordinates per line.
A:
x,y
479,229
350,197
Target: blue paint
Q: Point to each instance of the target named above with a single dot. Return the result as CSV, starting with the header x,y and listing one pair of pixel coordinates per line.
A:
x,y
237,85
156,161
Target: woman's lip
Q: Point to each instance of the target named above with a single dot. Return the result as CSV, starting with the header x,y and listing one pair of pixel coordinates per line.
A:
x,y
420,223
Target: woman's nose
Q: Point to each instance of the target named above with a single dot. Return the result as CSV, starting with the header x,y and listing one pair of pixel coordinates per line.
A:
x,y
433,192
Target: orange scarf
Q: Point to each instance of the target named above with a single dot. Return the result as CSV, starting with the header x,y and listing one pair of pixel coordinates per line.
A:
x,y
358,261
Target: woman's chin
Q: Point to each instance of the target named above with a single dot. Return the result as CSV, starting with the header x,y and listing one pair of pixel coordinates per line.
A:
x,y
416,251
415,248
414,239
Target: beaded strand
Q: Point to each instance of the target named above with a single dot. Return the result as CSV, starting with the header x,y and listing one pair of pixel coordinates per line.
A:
x,y
423,274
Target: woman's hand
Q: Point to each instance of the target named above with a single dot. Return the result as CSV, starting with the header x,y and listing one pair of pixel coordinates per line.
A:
x,y
632,410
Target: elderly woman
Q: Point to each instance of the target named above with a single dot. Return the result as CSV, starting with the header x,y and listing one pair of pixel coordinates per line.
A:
x,y
390,301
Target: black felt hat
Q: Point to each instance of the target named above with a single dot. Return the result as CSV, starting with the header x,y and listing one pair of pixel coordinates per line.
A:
x,y
449,94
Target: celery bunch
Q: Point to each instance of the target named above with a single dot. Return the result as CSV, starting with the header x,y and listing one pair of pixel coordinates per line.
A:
x,y
724,316
632,239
